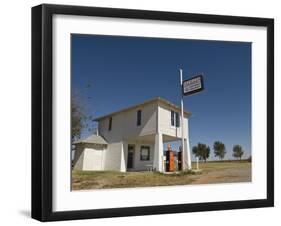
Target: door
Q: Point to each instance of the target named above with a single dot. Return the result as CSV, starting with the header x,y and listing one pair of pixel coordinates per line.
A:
x,y
130,159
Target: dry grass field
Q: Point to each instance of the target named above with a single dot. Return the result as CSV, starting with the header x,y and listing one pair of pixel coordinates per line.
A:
x,y
211,172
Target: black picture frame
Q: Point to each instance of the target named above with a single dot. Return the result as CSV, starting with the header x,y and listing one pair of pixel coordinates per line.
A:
x,y
42,107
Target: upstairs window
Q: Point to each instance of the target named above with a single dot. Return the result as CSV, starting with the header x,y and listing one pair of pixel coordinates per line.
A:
x,y
138,117
172,118
175,118
110,124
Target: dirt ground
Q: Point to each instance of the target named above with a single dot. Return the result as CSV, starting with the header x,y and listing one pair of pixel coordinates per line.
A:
x,y
210,172
229,174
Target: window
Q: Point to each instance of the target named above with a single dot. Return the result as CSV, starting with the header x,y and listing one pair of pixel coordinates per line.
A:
x,y
175,118
172,118
139,118
145,153
110,124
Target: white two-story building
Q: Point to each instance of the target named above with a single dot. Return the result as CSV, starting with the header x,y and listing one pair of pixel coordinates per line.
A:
x,y
132,139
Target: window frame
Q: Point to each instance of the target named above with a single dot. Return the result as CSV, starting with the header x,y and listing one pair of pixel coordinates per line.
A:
x,y
139,115
177,119
172,117
110,124
148,155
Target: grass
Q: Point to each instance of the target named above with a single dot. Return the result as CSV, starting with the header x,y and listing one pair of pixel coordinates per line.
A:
x,y
215,165
212,172
110,179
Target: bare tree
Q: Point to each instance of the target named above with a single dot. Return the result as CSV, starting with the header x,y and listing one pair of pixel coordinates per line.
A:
x,y
77,118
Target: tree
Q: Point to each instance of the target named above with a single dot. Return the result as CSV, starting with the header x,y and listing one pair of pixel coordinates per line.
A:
x,y
219,149
202,151
77,118
250,159
237,151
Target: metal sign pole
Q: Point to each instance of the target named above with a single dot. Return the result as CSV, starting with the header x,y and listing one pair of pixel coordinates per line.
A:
x,y
182,125
188,87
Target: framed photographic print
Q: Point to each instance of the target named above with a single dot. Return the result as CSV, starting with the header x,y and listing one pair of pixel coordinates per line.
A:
x,y
145,112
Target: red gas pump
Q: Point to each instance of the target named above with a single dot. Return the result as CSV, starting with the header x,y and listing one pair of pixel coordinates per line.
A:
x,y
170,165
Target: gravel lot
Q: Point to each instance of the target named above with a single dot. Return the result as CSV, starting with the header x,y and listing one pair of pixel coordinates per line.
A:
x,y
224,175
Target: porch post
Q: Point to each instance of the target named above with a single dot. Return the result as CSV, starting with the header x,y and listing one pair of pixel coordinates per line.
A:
x,y
188,146
123,156
158,153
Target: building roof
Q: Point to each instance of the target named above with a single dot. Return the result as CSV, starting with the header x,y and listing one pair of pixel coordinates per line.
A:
x,y
157,99
93,139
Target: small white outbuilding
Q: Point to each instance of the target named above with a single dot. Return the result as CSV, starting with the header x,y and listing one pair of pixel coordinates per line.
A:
x,y
89,153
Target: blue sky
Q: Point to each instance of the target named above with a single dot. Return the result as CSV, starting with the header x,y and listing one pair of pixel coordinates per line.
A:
x,y
113,72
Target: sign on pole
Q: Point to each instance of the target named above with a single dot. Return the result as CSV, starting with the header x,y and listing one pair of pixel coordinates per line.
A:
x,y
193,85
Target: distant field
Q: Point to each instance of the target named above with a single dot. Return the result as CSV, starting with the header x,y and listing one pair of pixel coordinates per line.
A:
x,y
211,172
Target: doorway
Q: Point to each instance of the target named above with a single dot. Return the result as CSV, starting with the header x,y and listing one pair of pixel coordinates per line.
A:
x,y
130,158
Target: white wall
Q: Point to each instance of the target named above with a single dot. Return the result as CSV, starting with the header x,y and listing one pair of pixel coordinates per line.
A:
x,y
89,157
113,155
165,126
143,164
138,164
93,158
124,125
15,112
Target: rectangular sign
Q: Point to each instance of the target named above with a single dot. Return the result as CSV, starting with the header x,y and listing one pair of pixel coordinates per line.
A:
x,y
193,85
